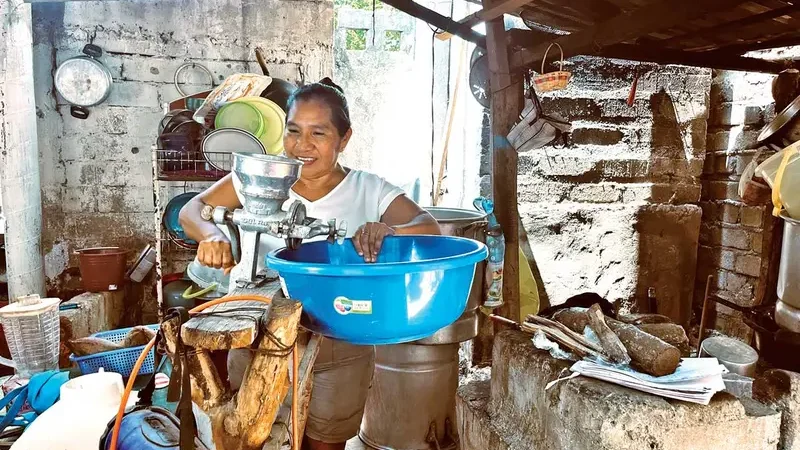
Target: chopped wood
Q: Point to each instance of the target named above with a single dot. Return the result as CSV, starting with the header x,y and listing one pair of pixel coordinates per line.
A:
x,y
574,346
443,23
641,319
578,336
611,344
648,353
671,333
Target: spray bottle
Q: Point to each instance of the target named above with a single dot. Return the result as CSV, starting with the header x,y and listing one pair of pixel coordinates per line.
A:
x,y
496,243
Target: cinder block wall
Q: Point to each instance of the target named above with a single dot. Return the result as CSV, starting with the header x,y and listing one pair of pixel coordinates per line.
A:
x,y
96,173
735,239
614,211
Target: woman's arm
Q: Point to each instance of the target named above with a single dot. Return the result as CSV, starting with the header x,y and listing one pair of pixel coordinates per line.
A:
x,y
214,249
403,216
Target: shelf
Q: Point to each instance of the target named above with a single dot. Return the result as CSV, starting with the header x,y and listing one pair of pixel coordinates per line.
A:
x,y
179,165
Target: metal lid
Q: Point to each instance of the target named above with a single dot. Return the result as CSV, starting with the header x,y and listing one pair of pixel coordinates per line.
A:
x,y
31,305
780,120
729,351
230,140
83,81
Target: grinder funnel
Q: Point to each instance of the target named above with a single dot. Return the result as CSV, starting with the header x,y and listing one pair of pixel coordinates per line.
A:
x,y
264,181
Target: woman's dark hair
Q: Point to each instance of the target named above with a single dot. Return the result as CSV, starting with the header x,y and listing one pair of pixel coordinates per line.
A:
x,y
328,92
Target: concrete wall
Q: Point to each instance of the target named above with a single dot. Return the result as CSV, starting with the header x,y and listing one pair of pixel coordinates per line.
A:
x,y
613,211
735,239
96,173
397,97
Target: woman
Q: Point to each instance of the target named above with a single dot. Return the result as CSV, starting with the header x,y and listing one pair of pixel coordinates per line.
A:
x,y
317,132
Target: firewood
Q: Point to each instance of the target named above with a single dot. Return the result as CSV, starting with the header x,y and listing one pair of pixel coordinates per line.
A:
x,y
641,319
560,338
578,336
648,353
611,344
670,333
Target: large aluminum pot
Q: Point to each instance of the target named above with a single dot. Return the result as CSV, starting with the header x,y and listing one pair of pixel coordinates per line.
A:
x,y
470,224
412,399
789,275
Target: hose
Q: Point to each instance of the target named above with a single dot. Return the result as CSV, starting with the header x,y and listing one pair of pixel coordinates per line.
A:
x,y
138,365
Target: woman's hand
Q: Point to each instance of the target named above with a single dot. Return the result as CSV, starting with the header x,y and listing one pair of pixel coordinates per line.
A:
x,y
216,252
369,237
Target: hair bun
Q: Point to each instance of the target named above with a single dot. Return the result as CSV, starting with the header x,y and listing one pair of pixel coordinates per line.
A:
x,y
328,82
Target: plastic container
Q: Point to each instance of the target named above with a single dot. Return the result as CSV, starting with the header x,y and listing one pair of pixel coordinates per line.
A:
x,y
790,184
31,327
143,265
418,285
118,361
103,268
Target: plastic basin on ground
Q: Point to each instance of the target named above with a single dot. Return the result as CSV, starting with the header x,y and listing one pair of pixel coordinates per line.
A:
x,y
418,285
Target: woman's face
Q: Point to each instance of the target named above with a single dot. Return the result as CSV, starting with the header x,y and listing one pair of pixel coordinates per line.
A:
x,y
312,138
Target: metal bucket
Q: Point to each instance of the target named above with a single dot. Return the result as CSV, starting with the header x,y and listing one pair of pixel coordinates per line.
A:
x,y
788,275
411,405
470,224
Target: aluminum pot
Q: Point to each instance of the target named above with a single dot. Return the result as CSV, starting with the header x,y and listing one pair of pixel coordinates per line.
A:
x,y
788,274
470,224
411,405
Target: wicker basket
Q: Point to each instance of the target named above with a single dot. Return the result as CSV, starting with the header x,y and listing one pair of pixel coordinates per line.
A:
x,y
552,81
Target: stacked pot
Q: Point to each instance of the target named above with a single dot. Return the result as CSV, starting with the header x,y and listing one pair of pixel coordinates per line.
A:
x,y
411,404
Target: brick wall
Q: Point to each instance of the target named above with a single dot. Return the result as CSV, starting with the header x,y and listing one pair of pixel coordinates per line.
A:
x,y
96,173
614,211
735,239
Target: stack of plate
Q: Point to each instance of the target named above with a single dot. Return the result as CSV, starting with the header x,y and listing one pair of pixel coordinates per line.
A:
x,y
259,116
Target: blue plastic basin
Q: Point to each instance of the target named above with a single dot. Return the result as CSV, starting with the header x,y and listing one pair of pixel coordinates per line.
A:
x,y
418,285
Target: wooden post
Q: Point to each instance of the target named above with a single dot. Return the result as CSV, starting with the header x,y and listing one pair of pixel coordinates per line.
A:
x,y
506,104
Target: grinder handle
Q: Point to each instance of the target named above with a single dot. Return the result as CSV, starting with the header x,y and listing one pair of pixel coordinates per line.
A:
x,y
221,216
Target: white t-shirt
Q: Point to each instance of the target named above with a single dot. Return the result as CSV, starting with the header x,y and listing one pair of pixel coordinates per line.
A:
x,y
360,198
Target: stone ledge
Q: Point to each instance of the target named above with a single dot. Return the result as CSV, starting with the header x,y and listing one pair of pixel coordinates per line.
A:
x,y
474,427
95,312
585,414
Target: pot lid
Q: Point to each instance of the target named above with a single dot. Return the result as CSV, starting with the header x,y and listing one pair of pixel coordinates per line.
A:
x,y
83,81
31,305
780,120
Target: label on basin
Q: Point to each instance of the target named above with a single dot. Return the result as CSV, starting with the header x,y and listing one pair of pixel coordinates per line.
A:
x,y
345,306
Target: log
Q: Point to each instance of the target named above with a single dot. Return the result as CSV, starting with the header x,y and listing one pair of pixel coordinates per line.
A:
x,y
671,333
245,423
648,353
208,390
226,326
641,319
611,344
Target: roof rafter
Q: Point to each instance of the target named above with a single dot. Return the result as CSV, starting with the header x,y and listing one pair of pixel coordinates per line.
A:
x,y
626,26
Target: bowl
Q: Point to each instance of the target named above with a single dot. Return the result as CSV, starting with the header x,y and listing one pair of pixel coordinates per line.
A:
x,y
418,285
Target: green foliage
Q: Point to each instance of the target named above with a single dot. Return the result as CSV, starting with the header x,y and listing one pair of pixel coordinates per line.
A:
x,y
359,4
356,39
392,41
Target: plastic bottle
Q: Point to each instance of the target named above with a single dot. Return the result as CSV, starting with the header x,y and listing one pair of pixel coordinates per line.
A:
x,y
496,243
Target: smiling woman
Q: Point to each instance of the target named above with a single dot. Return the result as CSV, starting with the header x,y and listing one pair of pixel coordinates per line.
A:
x,y
317,131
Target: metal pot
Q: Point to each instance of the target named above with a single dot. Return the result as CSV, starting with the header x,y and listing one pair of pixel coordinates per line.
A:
x,y
470,224
788,273
83,81
411,405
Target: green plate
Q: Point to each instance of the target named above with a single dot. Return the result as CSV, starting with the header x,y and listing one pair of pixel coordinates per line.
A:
x,y
242,116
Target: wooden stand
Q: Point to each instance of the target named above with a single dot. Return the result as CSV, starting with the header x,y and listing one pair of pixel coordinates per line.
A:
x,y
257,414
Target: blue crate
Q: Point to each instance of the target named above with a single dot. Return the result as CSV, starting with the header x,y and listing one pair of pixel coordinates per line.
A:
x,y
119,361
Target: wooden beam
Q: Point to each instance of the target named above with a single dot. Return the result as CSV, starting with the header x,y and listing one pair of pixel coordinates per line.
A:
x,y
439,21
506,104
733,26
659,16
739,49
657,55
487,14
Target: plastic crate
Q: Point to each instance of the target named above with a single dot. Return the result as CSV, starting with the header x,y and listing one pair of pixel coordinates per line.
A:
x,y
119,361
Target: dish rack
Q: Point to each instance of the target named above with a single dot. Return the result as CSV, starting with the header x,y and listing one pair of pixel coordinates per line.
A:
x,y
119,361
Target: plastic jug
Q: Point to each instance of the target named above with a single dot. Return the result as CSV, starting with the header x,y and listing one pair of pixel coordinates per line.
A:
x,y
31,327
782,172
